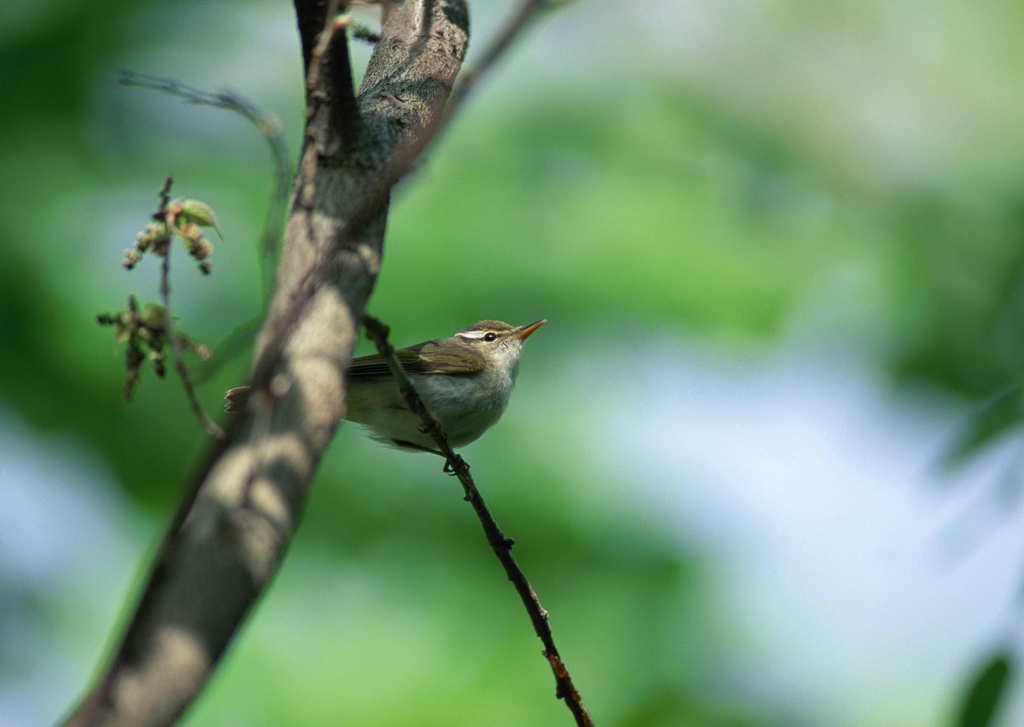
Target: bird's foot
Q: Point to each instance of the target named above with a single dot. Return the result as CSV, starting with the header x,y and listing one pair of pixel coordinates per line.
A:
x,y
450,465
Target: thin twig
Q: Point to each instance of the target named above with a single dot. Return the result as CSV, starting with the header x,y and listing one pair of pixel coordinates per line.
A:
x,y
165,293
401,163
502,546
499,46
364,33
269,127
323,40
343,108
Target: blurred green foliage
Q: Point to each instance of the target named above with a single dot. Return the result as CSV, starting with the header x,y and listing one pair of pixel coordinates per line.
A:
x,y
616,205
987,691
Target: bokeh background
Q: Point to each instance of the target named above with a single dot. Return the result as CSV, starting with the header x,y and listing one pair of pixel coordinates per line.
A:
x,y
762,465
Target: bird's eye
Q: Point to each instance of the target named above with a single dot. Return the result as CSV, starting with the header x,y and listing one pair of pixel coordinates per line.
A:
x,y
490,336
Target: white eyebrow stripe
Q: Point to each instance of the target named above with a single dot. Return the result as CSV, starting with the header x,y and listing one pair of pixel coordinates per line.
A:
x,y
473,334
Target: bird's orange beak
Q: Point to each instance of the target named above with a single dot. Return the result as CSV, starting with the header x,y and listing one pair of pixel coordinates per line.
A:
x,y
523,332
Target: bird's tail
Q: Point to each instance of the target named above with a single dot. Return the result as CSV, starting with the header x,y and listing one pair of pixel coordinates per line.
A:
x,y
237,398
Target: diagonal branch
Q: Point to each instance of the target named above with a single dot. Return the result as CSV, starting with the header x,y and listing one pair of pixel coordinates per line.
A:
x,y
502,546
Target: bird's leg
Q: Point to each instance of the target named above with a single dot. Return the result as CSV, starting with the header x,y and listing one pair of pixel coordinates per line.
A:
x,y
448,469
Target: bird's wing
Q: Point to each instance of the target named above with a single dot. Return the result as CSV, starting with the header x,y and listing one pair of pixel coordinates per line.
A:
x,y
422,358
452,360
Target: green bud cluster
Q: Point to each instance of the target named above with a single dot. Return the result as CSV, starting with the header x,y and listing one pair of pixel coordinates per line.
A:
x,y
145,334
184,218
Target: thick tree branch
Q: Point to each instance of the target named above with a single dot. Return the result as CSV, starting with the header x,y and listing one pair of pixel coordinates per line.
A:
x,y
234,525
502,546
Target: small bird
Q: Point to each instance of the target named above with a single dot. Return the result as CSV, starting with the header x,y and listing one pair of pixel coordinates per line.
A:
x,y
465,380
